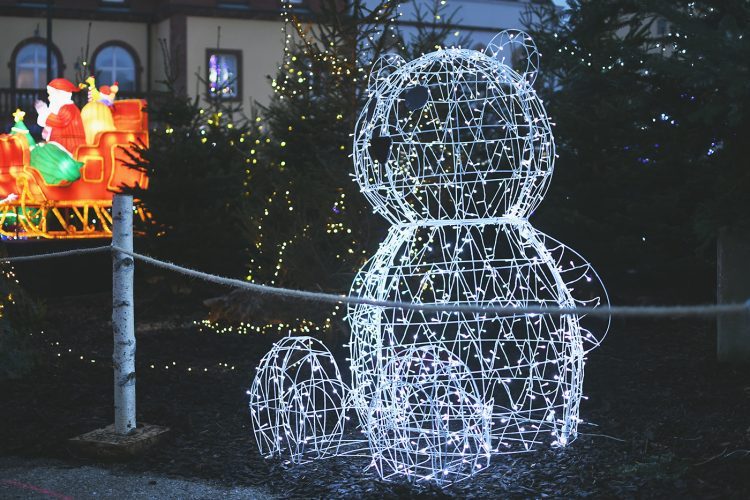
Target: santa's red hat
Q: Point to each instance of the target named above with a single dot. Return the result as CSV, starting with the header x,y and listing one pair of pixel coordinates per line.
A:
x,y
62,84
104,89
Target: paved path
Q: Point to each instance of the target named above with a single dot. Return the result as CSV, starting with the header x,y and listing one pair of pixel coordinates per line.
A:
x,y
46,479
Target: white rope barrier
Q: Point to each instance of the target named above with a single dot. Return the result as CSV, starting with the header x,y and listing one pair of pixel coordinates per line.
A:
x,y
701,310
53,255
631,311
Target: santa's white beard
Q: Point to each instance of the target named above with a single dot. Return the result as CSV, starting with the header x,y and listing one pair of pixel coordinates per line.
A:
x,y
58,99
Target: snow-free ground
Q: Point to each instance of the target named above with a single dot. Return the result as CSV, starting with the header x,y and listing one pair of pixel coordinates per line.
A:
x,y
663,418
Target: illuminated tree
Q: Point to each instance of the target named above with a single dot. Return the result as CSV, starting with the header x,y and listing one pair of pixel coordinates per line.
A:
x,y
618,173
708,60
650,101
310,227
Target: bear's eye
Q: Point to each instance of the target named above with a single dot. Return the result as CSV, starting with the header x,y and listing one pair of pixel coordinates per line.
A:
x,y
380,147
415,97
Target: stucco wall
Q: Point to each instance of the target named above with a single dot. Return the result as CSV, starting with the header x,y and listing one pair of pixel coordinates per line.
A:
x,y
69,35
261,43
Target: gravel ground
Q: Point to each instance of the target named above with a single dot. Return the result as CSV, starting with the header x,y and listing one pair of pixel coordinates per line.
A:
x,y
665,420
44,479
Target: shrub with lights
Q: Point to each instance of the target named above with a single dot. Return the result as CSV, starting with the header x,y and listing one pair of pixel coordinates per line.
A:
x,y
21,323
308,226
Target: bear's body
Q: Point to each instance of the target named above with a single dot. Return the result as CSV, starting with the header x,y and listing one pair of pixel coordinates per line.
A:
x,y
455,149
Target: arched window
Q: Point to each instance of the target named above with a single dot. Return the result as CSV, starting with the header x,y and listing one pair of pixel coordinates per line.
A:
x,y
29,64
116,62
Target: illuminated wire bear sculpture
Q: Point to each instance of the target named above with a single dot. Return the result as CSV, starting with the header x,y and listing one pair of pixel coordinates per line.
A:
x,y
456,151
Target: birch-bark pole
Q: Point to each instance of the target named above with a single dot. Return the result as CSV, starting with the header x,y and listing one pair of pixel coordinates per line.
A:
x,y
123,323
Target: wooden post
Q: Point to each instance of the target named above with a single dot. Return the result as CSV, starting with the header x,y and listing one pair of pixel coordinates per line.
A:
x,y
123,320
733,285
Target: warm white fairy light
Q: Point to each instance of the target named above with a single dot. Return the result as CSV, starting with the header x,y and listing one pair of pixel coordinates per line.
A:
x,y
455,149
298,326
297,400
63,352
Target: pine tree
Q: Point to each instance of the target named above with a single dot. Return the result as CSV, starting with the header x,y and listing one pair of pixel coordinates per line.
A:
x,y
707,50
627,182
196,203
19,127
311,227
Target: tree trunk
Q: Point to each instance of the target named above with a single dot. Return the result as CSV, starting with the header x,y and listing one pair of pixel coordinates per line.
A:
x,y
123,321
733,286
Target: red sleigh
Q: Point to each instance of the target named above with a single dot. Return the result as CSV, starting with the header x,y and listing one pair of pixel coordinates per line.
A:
x,y
81,209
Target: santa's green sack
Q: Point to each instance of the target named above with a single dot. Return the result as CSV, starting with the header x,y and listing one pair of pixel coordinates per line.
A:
x,y
55,163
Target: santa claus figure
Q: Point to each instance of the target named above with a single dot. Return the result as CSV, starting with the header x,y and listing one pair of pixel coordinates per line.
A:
x,y
61,119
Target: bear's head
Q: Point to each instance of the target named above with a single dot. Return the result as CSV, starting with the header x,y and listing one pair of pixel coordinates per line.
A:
x,y
455,135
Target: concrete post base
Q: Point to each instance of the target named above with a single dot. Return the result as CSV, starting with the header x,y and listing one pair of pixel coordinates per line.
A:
x,y
107,444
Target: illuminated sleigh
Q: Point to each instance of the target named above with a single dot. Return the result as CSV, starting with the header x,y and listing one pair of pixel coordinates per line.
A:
x,y
81,209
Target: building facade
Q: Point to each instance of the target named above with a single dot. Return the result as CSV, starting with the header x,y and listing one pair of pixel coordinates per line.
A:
x,y
475,20
209,42
125,41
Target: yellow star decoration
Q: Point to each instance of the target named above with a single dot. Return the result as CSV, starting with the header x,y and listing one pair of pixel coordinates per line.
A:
x,y
18,115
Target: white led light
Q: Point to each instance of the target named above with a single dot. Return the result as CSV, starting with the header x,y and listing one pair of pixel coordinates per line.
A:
x,y
455,149
427,420
296,400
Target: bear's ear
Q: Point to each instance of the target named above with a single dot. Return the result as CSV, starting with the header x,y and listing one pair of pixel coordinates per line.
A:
x,y
382,68
517,50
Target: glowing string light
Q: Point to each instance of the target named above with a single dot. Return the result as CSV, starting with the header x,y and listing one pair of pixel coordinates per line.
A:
x,y
297,400
427,420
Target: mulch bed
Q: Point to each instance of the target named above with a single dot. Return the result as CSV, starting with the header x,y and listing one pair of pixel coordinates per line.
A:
x,y
669,420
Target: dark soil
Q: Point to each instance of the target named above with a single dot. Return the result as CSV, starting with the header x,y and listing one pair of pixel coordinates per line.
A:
x,y
665,419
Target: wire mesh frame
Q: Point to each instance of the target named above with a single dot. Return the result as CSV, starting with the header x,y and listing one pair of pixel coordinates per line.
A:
x,y
455,149
297,401
452,135
530,365
427,420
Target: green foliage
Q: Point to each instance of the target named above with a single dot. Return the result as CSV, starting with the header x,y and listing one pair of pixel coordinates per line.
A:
x,y
649,127
196,195
711,64
21,322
